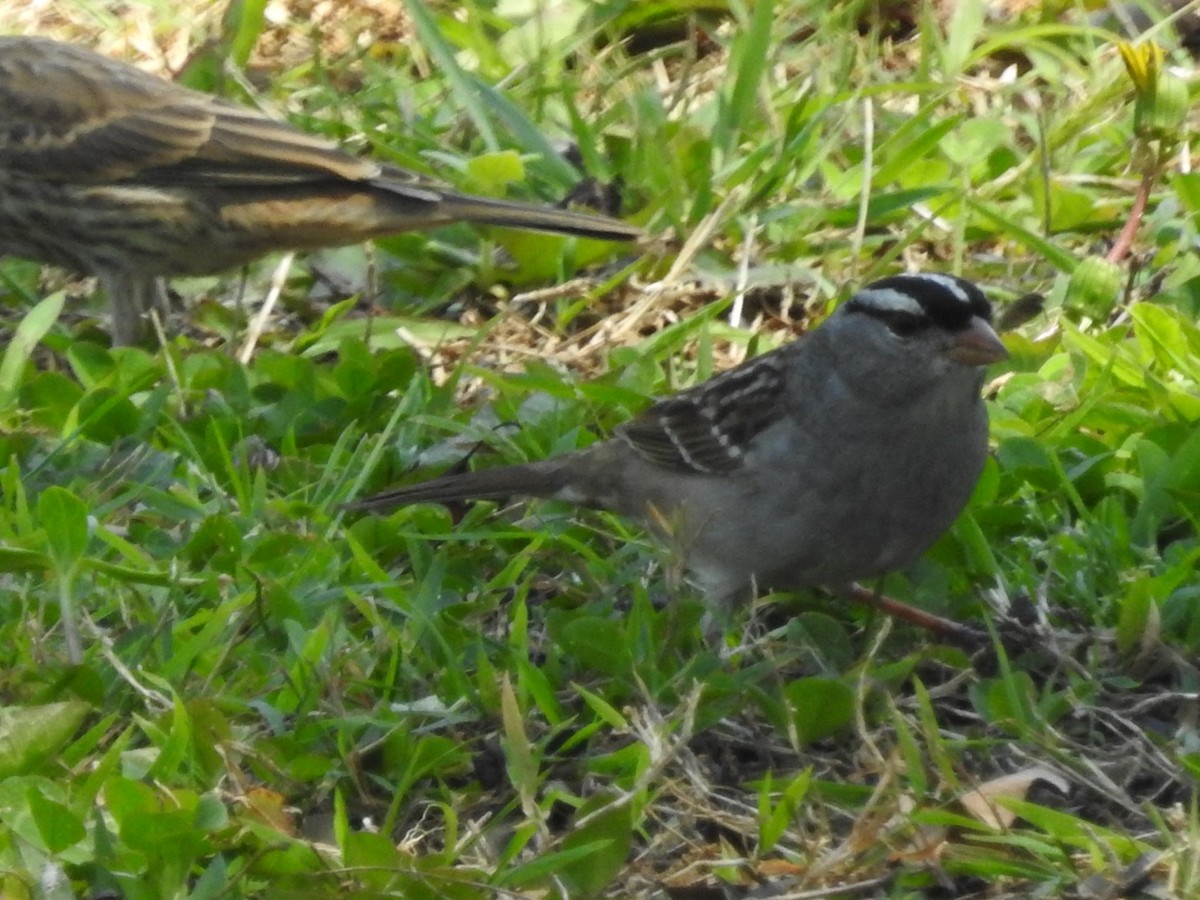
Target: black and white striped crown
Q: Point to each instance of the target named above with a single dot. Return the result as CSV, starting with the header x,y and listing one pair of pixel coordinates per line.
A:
x,y
909,303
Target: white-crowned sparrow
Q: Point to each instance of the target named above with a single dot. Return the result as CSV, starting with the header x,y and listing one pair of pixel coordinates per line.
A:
x,y
107,170
841,456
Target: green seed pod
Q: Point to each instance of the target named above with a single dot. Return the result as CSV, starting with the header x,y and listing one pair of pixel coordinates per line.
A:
x,y
1095,286
1169,106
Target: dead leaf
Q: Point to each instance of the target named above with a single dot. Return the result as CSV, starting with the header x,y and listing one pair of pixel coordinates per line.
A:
x,y
267,806
981,804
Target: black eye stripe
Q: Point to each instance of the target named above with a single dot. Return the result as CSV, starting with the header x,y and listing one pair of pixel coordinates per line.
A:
x,y
902,324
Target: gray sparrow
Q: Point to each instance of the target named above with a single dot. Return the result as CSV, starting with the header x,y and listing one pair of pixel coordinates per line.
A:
x,y
838,457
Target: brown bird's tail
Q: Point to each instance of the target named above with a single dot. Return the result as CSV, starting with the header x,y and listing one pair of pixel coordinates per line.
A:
x,y
452,206
536,479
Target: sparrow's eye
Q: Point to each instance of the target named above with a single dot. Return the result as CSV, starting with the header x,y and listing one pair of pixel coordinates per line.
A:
x,y
903,324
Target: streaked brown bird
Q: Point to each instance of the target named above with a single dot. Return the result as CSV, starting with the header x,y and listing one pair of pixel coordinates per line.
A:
x,y
110,171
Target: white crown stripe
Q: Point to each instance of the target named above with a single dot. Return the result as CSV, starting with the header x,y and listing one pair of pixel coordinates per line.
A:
x,y
890,299
950,284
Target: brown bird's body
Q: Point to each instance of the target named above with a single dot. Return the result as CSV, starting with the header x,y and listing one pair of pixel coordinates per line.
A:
x,y
107,170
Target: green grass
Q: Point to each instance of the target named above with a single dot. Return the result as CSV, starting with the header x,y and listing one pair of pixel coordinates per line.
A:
x,y
275,699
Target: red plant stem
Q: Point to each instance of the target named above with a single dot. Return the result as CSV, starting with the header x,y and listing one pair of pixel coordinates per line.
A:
x,y
943,627
1120,249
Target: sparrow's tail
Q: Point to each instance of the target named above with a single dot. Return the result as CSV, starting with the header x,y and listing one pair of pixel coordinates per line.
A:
x,y
536,479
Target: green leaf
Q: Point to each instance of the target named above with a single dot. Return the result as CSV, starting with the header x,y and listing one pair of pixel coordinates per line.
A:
x,y
244,21
22,343
604,710
130,575
92,364
168,764
32,736
519,753
962,31
375,856
15,559
491,172
774,821
1186,186
65,519
542,867
127,799
907,147
1060,259
599,643
443,54
528,136
820,707
169,833
826,636
749,60
213,882
974,139
107,416
1137,614
1167,337
608,835
1010,700
59,827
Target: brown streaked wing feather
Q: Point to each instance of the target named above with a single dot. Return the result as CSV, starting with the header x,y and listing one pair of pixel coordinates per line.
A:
x,y
72,115
706,429
247,147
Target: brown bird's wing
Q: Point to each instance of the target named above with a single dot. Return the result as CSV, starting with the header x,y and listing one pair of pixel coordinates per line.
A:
x,y
67,114
706,429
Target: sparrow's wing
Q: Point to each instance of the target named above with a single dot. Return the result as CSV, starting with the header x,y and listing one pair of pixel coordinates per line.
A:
x,y
706,429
